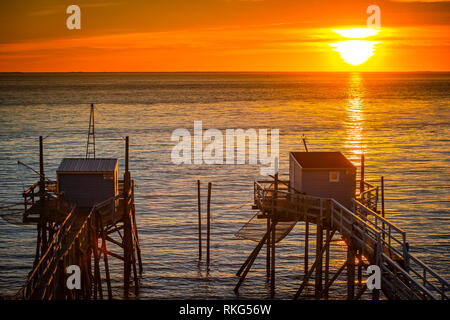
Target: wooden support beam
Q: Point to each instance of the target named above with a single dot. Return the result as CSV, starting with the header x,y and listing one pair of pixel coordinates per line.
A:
x,y
330,282
127,237
105,260
350,270
251,258
136,238
361,182
133,263
199,205
112,254
306,246
327,261
208,226
310,271
272,257
116,229
97,276
319,265
382,205
268,250
114,241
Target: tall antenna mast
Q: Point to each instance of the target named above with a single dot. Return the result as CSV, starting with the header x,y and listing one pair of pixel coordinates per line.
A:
x,y
91,135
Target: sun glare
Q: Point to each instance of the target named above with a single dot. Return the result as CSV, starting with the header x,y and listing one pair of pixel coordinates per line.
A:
x,y
355,52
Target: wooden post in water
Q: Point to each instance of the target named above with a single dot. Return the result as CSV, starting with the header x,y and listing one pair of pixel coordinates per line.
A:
x,y
41,163
42,217
327,261
138,246
382,198
199,222
105,260
97,274
272,256
306,244
361,182
273,236
127,245
268,250
382,204
208,227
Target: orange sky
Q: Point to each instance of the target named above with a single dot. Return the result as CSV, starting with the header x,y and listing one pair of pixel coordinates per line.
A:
x,y
217,35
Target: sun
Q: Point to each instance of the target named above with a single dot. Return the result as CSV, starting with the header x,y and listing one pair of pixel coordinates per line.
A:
x,y
355,52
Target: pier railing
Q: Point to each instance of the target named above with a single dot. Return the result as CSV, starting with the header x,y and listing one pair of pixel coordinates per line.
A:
x,y
369,196
46,262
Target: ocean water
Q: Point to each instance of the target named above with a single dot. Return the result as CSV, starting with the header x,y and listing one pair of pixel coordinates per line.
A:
x,y
401,121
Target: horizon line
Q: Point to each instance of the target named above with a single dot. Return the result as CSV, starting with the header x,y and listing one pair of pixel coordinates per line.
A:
x,y
348,71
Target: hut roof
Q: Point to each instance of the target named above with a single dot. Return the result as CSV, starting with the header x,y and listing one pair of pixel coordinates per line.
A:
x,y
322,160
87,165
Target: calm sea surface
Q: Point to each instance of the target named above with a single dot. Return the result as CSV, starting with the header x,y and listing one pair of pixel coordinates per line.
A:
x,y
400,121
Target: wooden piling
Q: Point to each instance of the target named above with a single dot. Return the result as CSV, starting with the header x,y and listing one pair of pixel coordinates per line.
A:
x,y
382,204
199,222
272,257
327,261
319,246
306,245
273,236
208,226
97,275
138,246
245,268
350,270
382,198
105,259
361,182
42,219
268,261
127,239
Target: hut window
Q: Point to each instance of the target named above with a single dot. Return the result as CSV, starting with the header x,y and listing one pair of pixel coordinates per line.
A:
x,y
334,176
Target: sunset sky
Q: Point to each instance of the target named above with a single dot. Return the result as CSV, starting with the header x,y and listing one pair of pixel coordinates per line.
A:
x,y
218,35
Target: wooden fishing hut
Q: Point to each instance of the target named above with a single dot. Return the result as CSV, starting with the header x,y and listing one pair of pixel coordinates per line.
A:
x,y
84,218
322,190
323,174
85,182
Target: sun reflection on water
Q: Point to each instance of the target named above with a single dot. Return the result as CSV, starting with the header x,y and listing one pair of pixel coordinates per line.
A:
x,y
354,122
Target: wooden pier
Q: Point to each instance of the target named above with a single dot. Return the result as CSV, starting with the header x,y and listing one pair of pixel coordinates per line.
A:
x,y
371,239
67,235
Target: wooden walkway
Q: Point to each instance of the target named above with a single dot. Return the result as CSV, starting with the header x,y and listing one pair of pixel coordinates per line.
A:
x,y
368,236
